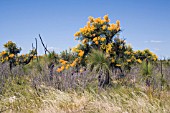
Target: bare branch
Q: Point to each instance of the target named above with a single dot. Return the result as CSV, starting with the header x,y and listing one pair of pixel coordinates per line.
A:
x,y
44,45
36,48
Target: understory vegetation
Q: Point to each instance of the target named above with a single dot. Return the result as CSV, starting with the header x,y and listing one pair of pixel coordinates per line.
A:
x,y
102,74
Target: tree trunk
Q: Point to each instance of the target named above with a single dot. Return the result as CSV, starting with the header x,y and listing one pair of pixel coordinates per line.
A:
x,y
107,79
104,81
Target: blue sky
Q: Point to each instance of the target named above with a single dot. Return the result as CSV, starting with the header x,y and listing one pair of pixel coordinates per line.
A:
x,y
144,23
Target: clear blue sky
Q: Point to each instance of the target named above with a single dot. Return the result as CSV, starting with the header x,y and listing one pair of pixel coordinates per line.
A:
x,y
145,23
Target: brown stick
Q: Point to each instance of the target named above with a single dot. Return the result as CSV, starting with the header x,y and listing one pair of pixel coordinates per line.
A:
x,y
44,45
161,77
36,49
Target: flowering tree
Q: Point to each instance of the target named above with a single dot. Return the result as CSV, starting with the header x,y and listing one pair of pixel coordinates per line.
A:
x,y
102,35
10,54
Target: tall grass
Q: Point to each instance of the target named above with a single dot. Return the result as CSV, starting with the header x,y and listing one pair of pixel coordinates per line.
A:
x,y
119,100
28,89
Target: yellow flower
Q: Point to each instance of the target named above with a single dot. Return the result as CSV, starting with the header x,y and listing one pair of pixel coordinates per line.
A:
x,y
6,58
108,47
139,61
34,57
74,49
59,70
67,66
129,60
98,38
102,22
106,18
127,52
103,39
113,60
112,27
73,64
104,27
92,28
11,55
97,42
118,25
154,59
82,30
88,24
62,67
61,60
77,34
95,39
81,53
64,62
118,65
3,52
76,59
98,20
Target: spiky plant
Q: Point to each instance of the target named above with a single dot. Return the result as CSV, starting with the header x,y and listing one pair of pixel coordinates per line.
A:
x,y
146,70
99,62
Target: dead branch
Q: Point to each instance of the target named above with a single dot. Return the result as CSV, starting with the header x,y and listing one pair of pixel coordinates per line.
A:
x,y
46,50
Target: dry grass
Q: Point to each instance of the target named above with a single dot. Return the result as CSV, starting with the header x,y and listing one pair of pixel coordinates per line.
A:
x,y
50,100
29,90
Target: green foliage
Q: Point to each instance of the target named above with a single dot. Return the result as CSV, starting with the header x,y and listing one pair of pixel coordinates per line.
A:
x,y
146,69
32,89
11,55
102,35
12,48
98,60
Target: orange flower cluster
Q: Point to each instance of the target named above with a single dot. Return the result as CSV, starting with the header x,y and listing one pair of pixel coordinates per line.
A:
x,y
116,26
139,61
65,64
147,54
74,62
3,53
106,18
94,23
81,53
78,51
60,69
97,39
11,55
